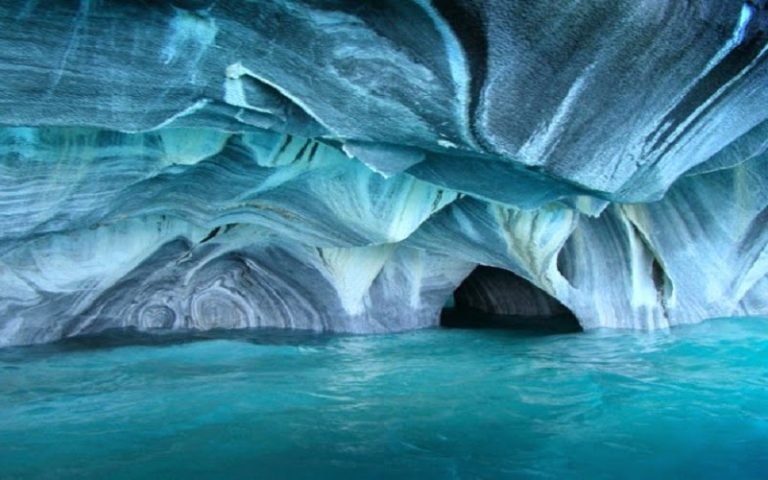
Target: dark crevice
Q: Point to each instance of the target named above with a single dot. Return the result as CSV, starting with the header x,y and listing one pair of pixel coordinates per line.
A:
x,y
211,234
470,28
284,145
496,298
312,151
218,231
756,36
563,265
657,274
301,151
661,282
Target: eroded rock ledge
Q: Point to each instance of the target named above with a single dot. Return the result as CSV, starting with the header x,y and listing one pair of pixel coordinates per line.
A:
x,y
343,166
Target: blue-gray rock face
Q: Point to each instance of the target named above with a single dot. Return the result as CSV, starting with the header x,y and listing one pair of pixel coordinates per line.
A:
x,y
344,165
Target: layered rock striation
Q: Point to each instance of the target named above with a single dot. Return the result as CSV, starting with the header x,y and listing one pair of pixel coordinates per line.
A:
x,y
344,165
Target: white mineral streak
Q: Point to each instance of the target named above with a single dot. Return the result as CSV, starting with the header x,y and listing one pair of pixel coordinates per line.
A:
x,y
353,271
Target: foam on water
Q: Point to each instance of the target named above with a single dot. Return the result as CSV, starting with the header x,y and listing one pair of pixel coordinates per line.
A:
x,y
691,402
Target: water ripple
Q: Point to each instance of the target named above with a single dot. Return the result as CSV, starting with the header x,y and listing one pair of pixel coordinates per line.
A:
x,y
429,404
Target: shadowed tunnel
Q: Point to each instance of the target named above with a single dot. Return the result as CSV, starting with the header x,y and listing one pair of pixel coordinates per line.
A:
x,y
495,298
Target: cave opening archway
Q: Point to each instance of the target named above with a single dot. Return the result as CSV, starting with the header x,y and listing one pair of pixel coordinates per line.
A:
x,y
496,298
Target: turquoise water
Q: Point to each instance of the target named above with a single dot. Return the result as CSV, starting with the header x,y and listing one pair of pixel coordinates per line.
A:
x,y
690,403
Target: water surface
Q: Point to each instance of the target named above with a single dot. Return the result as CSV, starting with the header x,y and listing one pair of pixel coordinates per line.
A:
x,y
688,403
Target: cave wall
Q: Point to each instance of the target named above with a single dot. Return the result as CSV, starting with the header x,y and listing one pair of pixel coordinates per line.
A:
x,y
334,165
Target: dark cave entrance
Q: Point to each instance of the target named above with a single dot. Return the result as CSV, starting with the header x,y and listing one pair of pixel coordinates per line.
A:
x,y
495,298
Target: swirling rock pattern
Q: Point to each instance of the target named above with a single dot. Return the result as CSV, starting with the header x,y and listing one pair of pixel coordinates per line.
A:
x,y
344,165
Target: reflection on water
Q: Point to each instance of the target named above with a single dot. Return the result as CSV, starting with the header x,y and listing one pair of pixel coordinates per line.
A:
x,y
691,402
